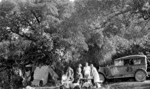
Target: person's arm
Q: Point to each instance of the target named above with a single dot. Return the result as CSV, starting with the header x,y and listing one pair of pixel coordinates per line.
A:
x,y
61,80
83,69
91,73
72,73
77,71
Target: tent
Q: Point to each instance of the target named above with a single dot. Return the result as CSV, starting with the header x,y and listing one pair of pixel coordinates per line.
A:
x,y
41,75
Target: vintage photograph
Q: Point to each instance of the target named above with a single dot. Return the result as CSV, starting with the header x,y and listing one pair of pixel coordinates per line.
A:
x,y
74,44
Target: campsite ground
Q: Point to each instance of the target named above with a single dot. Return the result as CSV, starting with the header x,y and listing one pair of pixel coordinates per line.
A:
x,y
128,85
119,85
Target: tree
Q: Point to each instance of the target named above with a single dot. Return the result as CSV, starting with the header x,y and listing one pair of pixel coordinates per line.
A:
x,y
57,31
30,31
124,19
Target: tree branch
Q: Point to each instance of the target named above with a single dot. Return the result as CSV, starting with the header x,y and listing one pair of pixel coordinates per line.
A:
x,y
114,15
29,38
34,14
28,23
145,24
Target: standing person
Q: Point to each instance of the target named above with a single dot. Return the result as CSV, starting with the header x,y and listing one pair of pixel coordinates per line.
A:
x,y
87,71
70,74
28,75
95,76
17,77
79,72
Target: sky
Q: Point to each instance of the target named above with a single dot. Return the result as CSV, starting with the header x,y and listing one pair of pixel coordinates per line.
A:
x,y
72,0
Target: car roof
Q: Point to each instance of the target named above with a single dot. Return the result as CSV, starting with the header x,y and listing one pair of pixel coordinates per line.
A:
x,y
130,56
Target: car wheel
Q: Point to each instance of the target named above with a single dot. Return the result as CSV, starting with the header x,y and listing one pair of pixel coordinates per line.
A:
x,y
102,78
140,76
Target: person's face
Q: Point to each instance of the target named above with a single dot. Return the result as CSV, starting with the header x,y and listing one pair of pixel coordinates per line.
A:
x,y
40,65
69,68
91,65
86,64
79,65
16,72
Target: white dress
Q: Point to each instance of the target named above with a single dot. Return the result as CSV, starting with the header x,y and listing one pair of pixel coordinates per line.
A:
x,y
95,75
87,71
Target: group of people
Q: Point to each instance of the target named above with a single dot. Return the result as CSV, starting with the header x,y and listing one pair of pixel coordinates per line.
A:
x,y
87,72
71,76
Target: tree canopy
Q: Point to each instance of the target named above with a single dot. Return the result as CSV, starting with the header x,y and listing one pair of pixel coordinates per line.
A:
x,y
49,31
59,31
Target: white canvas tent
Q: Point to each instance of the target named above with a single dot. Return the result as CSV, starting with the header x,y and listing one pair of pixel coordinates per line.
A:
x,y
41,75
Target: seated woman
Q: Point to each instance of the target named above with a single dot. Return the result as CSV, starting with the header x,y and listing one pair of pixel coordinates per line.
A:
x,y
70,74
65,81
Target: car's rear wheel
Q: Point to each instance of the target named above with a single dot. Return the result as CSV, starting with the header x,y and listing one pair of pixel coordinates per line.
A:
x,y
140,76
102,78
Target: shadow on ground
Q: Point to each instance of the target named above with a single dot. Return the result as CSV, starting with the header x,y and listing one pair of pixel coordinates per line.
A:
x,y
127,85
121,84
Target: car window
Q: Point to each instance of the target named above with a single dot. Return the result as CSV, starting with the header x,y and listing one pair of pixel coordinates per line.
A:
x,y
137,61
119,63
127,61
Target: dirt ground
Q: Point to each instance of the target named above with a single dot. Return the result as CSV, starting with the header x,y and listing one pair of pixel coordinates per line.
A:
x,y
128,85
122,84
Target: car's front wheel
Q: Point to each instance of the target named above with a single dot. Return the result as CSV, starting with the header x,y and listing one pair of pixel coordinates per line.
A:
x,y
140,76
102,78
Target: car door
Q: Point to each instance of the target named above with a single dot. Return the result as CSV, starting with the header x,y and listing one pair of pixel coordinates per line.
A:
x,y
138,63
120,70
127,69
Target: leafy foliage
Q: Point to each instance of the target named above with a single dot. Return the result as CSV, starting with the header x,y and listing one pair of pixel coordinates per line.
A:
x,y
60,32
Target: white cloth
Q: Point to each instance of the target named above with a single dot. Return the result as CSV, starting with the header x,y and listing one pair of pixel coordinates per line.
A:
x,y
29,87
87,70
64,78
20,73
95,75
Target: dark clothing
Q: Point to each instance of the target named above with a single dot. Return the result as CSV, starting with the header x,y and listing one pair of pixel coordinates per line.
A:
x,y
17,80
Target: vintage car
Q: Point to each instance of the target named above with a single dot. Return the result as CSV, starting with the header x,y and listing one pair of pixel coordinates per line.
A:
x,y
128,66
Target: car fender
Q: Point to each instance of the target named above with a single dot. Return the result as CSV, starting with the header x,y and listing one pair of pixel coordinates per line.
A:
x,y
103,74
142,70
